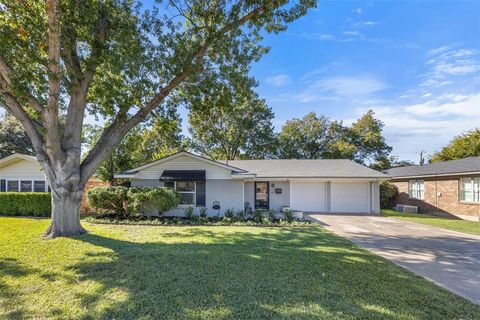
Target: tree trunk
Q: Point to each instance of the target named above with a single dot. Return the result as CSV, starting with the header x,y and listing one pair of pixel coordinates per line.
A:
x,y
66,202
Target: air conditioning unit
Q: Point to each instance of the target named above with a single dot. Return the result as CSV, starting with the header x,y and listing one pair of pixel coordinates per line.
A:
x,y
405,208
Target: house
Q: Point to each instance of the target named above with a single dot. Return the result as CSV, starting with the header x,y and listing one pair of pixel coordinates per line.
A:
x,y
445,188
307,185
22,173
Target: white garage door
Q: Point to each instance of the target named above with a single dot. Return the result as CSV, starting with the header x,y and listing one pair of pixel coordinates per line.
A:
x,y
307,196
350,197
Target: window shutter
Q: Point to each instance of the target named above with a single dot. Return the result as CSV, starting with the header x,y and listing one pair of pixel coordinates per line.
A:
x,y
201,194
3,185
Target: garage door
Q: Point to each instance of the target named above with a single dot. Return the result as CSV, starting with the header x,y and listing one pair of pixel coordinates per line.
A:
x,y
307,196
350,197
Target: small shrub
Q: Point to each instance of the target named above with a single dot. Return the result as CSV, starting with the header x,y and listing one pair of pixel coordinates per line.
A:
x,y
108,199
271,215
38,204
289,215
189,213
257,215
388,192
240,215
142,200
203,212
125,201
230,214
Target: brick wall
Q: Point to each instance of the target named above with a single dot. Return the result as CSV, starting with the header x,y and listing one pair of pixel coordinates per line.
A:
x,y
92,183
448,203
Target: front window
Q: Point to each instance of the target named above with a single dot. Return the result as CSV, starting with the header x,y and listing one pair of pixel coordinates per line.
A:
x,y
186,190
23,185
417,189
470,189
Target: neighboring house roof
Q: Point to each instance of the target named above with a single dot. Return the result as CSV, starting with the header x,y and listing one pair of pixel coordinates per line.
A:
x,y
16,157
452,167
296,168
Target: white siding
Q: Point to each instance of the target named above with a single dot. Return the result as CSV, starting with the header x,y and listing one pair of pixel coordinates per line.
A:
x,y
184,163
308,196
277,200
22,170
350,197
228,192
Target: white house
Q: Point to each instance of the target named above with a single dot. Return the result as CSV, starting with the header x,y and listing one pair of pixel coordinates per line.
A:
x,y
335,186
22,173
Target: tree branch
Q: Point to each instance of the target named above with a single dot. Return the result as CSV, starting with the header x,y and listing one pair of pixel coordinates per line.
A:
x,y
50,113
113,135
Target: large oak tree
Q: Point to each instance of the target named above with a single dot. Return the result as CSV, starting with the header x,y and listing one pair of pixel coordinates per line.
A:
x,y
112,58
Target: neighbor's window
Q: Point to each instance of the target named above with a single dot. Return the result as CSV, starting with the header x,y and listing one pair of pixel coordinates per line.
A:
x,y
417,189
470,189
12,186
38,186
26,186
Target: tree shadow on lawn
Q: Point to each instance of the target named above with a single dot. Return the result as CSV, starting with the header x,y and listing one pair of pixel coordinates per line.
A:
x,y
300,273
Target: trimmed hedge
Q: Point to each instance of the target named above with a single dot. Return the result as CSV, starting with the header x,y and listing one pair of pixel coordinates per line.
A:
x,y
38,204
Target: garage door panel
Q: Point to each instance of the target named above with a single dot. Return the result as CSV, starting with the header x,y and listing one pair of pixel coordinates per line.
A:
x,y
308,196
350,197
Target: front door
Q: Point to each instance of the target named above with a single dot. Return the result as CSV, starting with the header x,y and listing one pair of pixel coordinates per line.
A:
x,y
261,195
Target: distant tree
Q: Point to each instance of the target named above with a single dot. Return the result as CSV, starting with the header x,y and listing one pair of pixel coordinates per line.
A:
x,y
311,137
228,120
367,136
462,146
13,139
142,144
314,137
388,162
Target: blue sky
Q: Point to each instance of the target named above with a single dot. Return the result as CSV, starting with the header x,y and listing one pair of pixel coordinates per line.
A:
x,y
415,63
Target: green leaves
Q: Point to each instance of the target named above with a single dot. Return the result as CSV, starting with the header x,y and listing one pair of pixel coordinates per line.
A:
x,y
462,146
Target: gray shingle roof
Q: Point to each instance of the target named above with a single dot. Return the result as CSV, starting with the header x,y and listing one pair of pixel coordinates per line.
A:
x,y
465,165
335,168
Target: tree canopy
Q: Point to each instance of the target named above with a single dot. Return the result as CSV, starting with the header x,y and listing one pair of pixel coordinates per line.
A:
x,y
114,59
227,118
315,137
13,138
462,146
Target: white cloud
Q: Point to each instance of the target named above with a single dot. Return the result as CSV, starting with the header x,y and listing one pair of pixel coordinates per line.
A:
x,y
358,10
447,62
428,125
353,33
349,87
279,80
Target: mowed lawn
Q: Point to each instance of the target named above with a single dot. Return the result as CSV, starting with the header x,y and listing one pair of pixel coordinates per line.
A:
x,y
131,272
472,227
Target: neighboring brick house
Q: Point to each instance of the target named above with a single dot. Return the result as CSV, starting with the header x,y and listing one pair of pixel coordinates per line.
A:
x,y
445,188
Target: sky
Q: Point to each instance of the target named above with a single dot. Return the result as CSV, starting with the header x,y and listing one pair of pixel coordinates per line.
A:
x,y
415,63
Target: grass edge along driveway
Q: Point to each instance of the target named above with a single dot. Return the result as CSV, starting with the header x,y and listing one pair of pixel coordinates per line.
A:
x,y
465,226
131,272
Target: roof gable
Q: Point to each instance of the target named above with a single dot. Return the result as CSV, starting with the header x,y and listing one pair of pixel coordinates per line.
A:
x,y
183,154
16,157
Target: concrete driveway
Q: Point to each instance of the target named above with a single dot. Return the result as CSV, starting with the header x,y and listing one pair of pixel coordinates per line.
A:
x,y
448,258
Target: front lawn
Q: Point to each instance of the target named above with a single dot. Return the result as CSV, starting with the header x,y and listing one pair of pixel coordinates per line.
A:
x,y
472,227
216,272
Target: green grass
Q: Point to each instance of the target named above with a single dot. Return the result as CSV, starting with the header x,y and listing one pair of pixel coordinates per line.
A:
x,y
132,272
472,227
